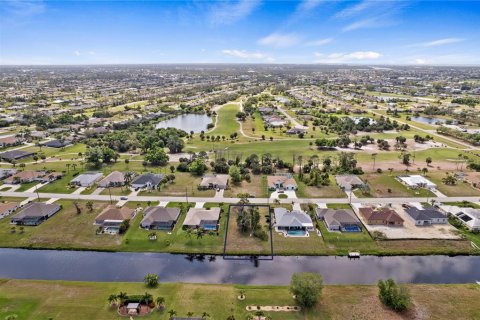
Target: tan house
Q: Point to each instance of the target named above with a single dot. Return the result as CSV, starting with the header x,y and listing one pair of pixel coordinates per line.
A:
x,y
285,182
219,181
383,216
7,208
25,177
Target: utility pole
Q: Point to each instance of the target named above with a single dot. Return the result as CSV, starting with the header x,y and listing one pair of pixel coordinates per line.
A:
x,y
186,194
110,193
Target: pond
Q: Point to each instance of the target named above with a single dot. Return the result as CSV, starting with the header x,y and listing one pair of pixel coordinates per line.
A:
x,y
123,266
187,122
428,120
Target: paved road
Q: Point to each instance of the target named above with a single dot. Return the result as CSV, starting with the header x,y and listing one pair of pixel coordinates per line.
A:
x,y
234,200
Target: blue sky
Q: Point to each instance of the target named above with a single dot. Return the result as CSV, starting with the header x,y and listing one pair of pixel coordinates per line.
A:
x,y
252,31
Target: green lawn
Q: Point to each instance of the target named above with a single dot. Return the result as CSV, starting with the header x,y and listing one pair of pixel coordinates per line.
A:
x,y
459,189
256,187
26,186
61,185
227,121
381,184
330,191
176,241
66,229
35,299
184,182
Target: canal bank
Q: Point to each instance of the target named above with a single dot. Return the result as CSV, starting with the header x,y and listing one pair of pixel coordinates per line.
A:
x,y
131,267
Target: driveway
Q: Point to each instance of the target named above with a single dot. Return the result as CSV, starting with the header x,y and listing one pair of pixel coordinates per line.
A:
x,y
79,190
290,194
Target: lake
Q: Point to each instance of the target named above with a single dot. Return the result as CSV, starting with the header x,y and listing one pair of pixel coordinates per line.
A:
x,y
427,120
187,122
129,266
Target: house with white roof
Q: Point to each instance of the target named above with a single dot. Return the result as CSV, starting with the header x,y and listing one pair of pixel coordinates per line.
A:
x,y
470,217
417,181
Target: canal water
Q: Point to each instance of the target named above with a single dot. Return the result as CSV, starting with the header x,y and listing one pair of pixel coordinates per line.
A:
x,y
123,266
187,122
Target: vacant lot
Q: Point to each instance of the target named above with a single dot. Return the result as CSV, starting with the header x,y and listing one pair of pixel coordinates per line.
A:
x,y
47,299
457,190
184,183
256,187
330,191
245,242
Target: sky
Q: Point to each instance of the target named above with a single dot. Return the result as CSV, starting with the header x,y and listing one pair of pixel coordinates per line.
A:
x,y
241,31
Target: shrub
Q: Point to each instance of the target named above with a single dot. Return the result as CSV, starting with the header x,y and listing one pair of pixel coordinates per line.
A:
x,y
395,297
307,288
151,280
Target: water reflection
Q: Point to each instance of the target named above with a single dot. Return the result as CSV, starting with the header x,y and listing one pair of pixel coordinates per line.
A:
x,y
102,266
187,122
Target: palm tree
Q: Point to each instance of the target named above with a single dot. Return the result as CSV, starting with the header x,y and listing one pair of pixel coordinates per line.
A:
x,y
112,299
89,205
160,301
147,297
172,313
205,315
190,314
122,296
68,167
74,165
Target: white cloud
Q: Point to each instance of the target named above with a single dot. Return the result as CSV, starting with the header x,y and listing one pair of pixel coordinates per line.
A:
x,y
307,5
244,54
419,61
354,10
439,42
231,12
77,53
319,42
356,56
279,40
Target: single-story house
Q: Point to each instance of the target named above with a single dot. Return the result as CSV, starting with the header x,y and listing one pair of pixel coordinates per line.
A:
x,y
292,220
25,177
218,181
35,213
417,181
86,179
349,182
160,218
286,182
51,176
339,220
12,155
297,130
58,143
7,208
201,218
383,216
10,141
112,217
5,173
426,217
470,217
147,181
114,179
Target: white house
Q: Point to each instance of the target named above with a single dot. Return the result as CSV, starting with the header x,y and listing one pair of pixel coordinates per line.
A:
x,y
470,217
417,181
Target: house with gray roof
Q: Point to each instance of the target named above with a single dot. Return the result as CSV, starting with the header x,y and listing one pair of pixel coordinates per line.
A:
x,y
5,173
86,179
348,182
12,155
35,213
160,218
339,219
201,218
114,179
147,181
292,220
426,217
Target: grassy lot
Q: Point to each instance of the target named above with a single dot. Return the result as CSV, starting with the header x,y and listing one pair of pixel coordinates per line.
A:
x,y
66,229
381,183
239,242
61,185
136,239
184,182
330,191
257,187
227,123
30,299
117,191
26,186
459,189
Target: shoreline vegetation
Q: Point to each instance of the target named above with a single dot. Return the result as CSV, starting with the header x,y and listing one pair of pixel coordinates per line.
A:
x,y
41,299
